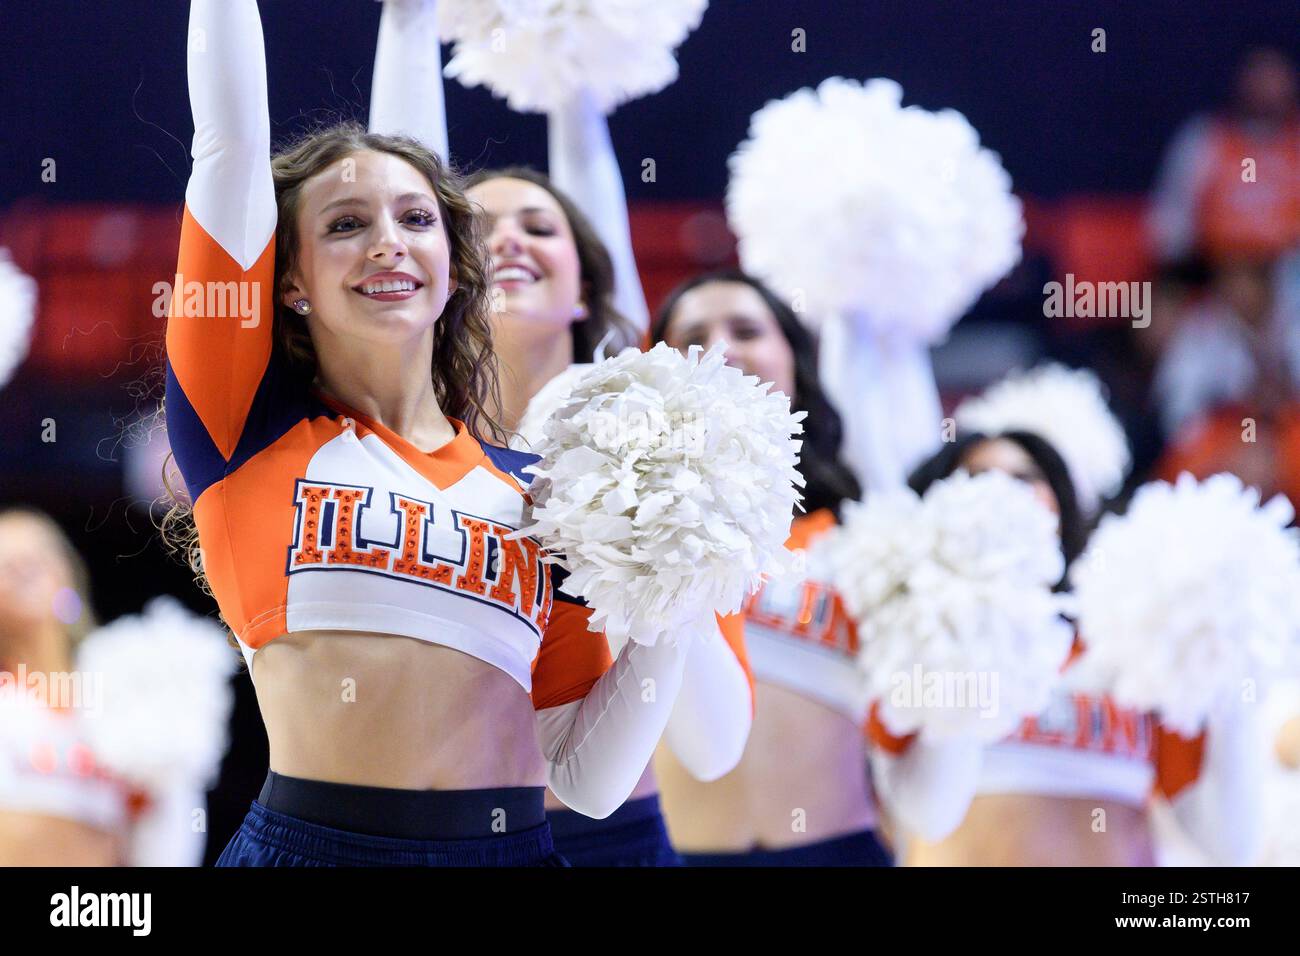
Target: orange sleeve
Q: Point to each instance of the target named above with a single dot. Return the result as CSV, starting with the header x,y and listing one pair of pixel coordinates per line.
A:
x,y
571,658
733,632
880,736
218,333
1178,760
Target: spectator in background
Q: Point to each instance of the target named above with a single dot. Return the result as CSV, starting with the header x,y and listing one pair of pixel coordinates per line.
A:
x,y
1206,197
1240,343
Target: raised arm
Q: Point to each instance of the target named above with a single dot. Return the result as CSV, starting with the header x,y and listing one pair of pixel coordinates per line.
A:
x,y
582,164
406,95
220,320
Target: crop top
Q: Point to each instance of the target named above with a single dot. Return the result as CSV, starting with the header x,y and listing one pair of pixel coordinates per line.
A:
x,y
310,514
48,768
800,636
1081,745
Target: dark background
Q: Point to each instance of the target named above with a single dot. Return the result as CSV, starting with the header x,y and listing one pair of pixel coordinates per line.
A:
x,y
100,87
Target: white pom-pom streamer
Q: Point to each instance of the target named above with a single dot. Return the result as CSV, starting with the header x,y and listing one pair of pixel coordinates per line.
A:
x,y
954,588
1067,408
1189,595
166,697
539,54
902,219
666,489
17,313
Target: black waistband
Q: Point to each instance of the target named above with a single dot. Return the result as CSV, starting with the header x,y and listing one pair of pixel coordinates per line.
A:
x,y
566,823
406,814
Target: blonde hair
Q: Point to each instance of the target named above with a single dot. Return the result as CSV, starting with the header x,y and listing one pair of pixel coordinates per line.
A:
x,y
78,573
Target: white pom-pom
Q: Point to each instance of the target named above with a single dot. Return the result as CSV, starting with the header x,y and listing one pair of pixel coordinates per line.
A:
x,y
961,635
17,313
1189,595
539,54
166,697
666,489
902,220
1067,408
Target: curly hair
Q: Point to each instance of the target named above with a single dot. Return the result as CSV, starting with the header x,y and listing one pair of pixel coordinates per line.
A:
x,y
463,369
595,270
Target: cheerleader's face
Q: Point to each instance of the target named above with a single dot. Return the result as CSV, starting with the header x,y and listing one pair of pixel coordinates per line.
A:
x,y
32,573
1002,454
536,272
367,223
735,314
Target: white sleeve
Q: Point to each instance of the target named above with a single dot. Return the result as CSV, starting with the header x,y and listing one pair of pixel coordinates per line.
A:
x,y
929,787
172,831
1223,809
583,165
598,747
709,726
230,192
406,95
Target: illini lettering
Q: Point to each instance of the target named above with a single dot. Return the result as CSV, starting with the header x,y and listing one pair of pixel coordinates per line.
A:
x,y
438,546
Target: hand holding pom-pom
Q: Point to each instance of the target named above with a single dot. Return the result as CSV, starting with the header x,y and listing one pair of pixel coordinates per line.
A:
x,y
954,588
1191,594
666,489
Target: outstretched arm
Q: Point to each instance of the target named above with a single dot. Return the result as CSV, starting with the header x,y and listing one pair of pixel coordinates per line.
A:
x,y
406,95
583,165
219,327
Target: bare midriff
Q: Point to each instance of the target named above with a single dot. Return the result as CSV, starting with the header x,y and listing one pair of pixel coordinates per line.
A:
x,y
1033,830
383,711
802,779
31,839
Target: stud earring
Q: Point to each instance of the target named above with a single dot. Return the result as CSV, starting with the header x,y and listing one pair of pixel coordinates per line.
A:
x,y
579,311
301,306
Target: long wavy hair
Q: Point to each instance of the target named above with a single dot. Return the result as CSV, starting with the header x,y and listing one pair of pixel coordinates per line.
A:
x,y
595,271
463,367
828,481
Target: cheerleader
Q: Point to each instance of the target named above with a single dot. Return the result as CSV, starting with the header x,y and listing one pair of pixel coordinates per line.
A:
x,y
562,298
1070,787
420,675
784,804
103,759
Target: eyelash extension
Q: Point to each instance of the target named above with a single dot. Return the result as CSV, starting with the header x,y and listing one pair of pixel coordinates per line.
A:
x,y
432,220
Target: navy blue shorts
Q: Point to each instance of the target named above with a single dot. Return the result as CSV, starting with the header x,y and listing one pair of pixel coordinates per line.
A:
x,y
633,835
855,849
314,823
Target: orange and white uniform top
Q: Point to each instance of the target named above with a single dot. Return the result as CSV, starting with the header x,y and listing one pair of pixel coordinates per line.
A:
x,y
799,635
47,767
1081,745
312,516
